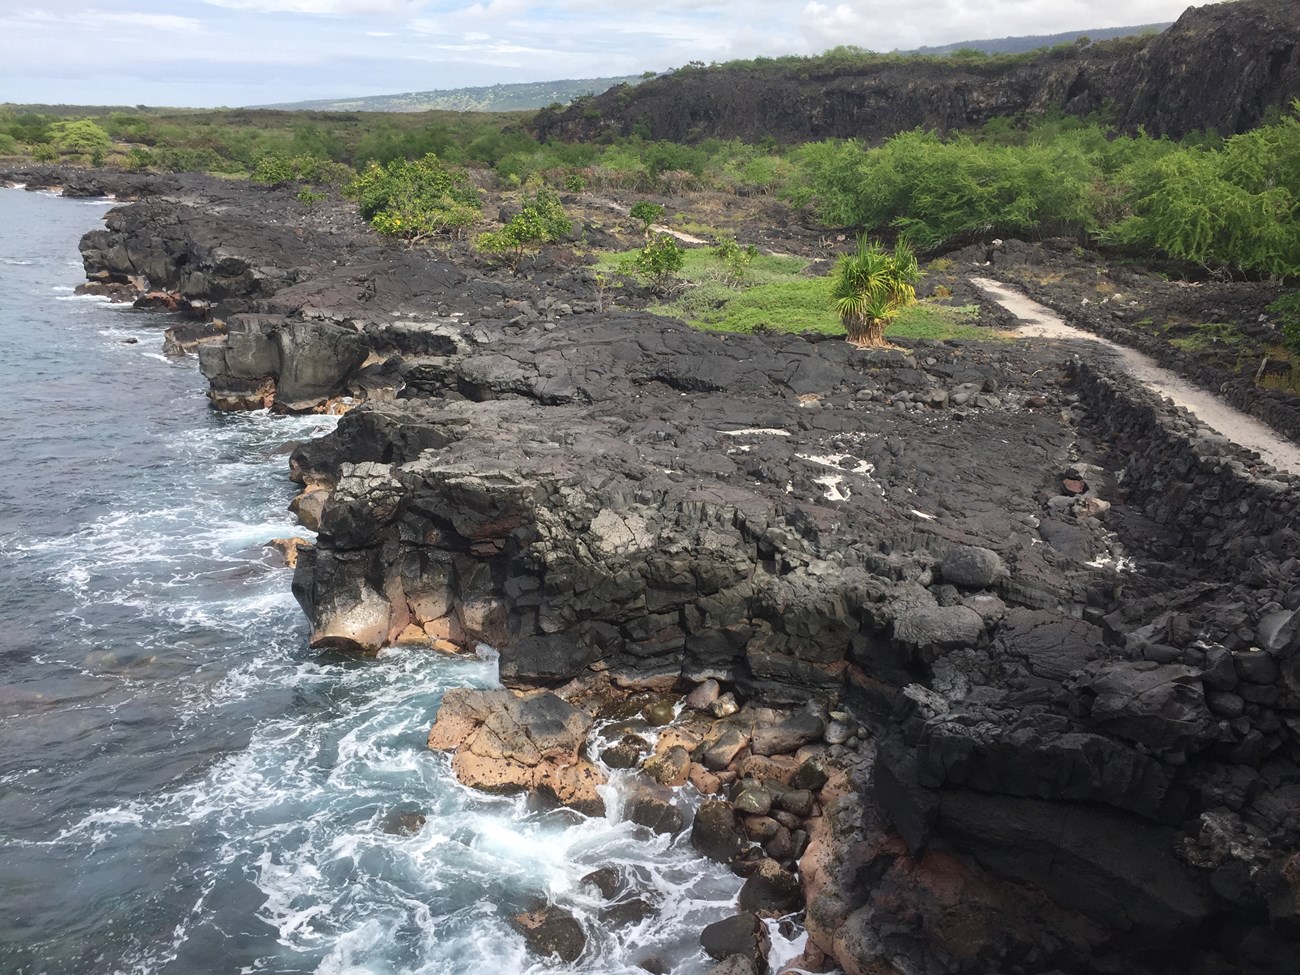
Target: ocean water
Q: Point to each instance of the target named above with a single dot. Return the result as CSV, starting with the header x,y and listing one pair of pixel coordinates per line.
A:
x,y
185,787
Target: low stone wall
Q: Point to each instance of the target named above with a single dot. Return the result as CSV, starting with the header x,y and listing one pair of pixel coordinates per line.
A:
x,y
1217,501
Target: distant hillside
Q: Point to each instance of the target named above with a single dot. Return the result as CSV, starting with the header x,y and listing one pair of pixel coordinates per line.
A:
x,y
1033,42
492,98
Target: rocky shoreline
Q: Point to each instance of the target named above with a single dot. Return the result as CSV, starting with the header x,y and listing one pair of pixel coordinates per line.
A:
x,y
986,659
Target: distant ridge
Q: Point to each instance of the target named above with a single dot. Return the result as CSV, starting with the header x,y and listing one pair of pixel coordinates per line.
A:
x,y
1032,42
491,98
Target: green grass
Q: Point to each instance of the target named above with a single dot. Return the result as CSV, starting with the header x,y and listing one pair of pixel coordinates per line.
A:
x,y
701,267
1210,336
776,296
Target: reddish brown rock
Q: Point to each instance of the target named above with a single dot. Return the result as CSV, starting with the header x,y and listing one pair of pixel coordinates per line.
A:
x,y
507,744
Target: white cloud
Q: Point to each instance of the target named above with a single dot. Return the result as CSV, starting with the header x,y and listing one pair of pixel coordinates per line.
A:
x,y
335,8
281,50
159,22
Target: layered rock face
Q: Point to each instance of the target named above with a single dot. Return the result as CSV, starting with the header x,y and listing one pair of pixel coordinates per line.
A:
x,y
1221,67
1066,613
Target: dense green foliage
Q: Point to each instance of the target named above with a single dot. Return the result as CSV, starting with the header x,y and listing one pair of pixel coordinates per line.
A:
x,y
413,199
1235,207
1225,204
870,286
276,167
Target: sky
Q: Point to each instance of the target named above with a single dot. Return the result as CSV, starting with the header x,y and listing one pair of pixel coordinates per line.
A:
x,y
205,53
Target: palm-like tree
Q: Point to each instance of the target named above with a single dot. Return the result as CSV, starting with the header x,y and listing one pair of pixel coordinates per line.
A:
x,y
871,286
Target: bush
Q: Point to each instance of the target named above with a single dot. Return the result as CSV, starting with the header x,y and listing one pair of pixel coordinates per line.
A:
x,y
413,199
541,220
1234,208
647,212
276,167
734,258
81,136
659,261
138,159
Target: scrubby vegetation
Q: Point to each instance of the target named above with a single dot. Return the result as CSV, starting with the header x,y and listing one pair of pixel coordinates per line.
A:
x,y
541,220
1205,204
414,199
1221,204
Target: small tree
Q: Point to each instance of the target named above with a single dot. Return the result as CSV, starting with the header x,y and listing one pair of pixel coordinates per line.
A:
x,y
871,286
647,213
658,261
81,136
734,258
541,220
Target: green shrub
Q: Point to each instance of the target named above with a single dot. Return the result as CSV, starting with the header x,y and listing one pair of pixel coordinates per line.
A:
x,y
276,167
138,159
647,212
80,136
734,258
659,261
1234,208
413,199
541,220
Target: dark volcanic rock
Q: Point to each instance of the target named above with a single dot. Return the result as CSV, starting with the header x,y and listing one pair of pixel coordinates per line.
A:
x,y
1220,67
771,889
1093,769
743,935
714,831
552,931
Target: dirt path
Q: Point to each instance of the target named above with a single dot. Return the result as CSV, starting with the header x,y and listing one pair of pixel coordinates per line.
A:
x,y
1250,433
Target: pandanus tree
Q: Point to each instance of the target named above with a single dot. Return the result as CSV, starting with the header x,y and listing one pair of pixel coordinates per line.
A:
x,y
871,286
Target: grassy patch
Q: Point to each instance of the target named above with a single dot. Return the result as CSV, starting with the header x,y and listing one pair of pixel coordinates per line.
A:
x,y
1209,337
776,296
702,267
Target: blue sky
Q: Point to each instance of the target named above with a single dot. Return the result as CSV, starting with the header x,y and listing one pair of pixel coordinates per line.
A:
x,y
246,52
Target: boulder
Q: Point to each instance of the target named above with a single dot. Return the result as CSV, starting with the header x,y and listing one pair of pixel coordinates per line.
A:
x,y
723,750
703,696
671,768
1161,707
742,935
714,832
651,805
505,744
552,930
771,890
932,630
972,567
735,965
786,735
